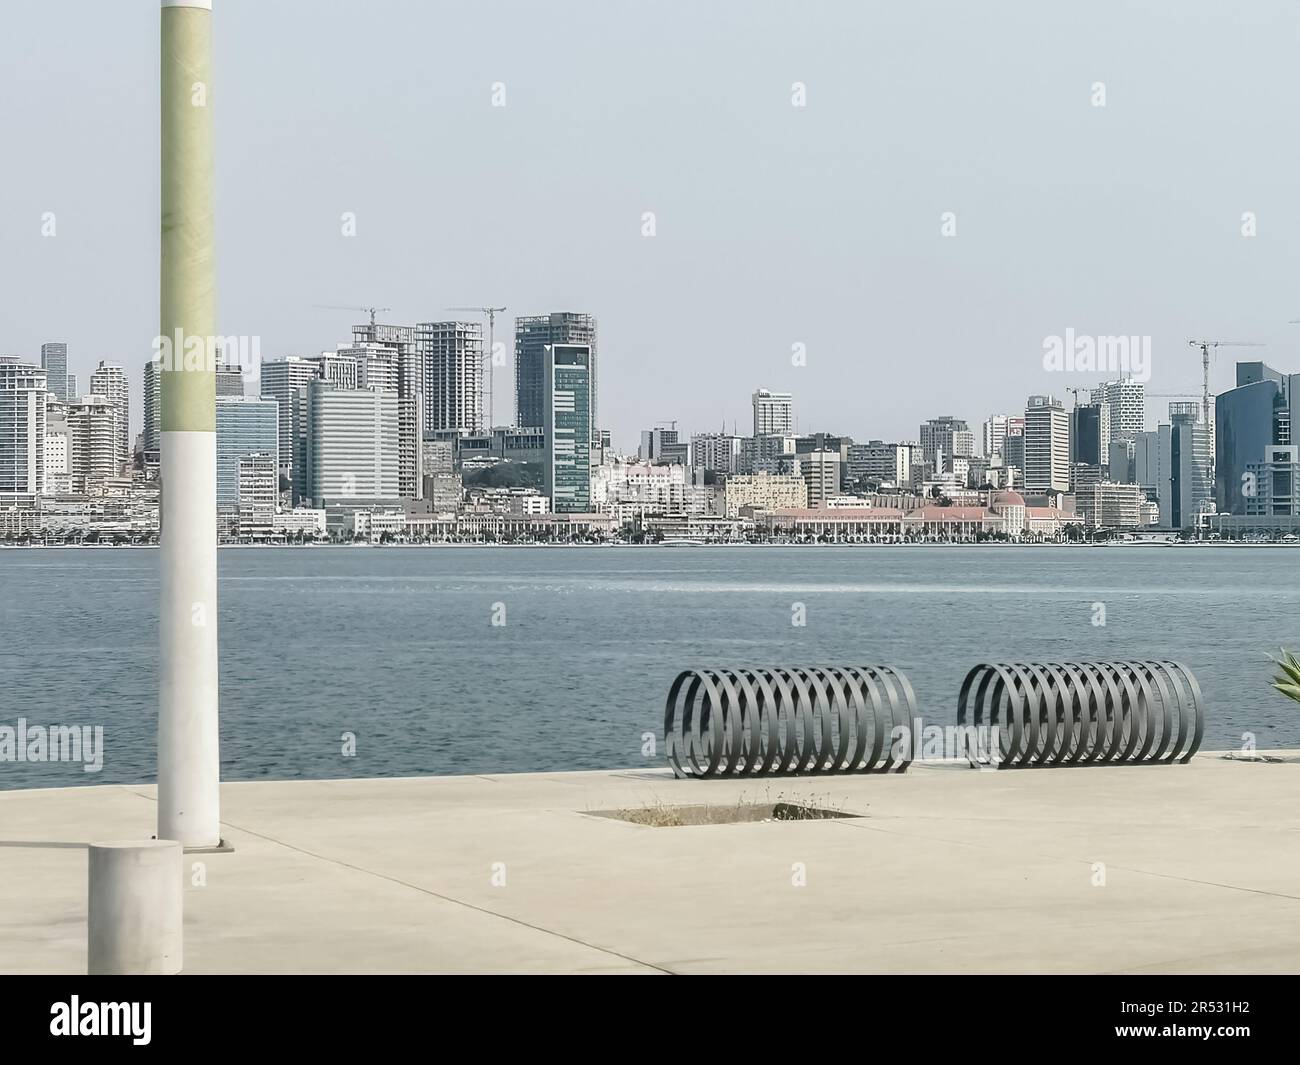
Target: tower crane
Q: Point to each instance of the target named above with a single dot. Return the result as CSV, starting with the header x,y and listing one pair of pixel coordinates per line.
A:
x,y
372,311
491,313
1205,346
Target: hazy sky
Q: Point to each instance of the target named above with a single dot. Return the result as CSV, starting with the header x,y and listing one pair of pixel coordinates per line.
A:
x,y
775,225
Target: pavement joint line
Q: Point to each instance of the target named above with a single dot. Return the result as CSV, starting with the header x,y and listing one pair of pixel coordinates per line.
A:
x,y
448,898
427,891
1083,861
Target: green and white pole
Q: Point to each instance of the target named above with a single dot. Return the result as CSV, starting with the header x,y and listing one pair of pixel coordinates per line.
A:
x,y
188,753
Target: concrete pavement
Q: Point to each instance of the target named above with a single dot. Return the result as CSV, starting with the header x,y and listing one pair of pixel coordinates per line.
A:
x,y
1190,868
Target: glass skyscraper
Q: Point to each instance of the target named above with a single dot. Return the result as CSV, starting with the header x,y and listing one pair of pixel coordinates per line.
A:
x,y
54,361
566,421
245,426
1249,419
532,335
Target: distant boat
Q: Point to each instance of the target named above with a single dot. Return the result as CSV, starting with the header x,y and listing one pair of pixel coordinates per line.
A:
x,y
680,541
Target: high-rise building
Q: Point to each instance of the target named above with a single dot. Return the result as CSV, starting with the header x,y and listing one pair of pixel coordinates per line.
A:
x,y
661,444
993,434
1047,446
770,453
74,389
285,381
152,405
716,452
821,472
452,354
1275,481
258,489
109,380
947,438
339,368
1085,435
1125,414
389,359
245,426
773,413
532,335
566,422
880,462
230,381
22,427
93,439
1257,415
54,361
352,449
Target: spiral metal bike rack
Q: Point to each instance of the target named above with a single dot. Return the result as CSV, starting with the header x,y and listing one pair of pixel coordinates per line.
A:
x,y
1082,713
800,719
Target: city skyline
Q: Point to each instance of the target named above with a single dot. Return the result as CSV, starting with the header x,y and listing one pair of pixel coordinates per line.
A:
x,y
839,241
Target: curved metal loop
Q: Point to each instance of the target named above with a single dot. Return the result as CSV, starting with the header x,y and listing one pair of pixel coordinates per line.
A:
x,y
796,719
1082,713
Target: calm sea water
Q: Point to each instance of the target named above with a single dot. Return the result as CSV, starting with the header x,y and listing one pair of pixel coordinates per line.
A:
x,y
398,647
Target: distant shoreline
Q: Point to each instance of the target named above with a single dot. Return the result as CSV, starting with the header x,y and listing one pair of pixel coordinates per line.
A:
x,y
679,546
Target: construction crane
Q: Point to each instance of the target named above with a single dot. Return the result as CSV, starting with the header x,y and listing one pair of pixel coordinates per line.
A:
x,y
1076,392
372,311
1205,346
491,313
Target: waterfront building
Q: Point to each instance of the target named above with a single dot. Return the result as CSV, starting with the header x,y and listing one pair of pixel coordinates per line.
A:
x,y
632,491
1250,419
763,491
567,427
109,380
1125,403
259,476
285,380
245,426
1107,505
452,358
93,440
22,428
533,334
1087,424
1046,445
351,448
152,405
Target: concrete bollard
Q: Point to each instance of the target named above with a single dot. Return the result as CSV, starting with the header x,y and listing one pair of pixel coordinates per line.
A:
x,y
134,907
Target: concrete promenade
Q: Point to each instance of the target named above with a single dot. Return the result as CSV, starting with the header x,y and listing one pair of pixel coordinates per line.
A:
x,y
945,870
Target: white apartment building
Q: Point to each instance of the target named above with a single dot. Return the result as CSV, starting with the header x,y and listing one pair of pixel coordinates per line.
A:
x,y
22,427
1124,405
773,412
109,380
259,482
1047,445
94,441
352,449
631,491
